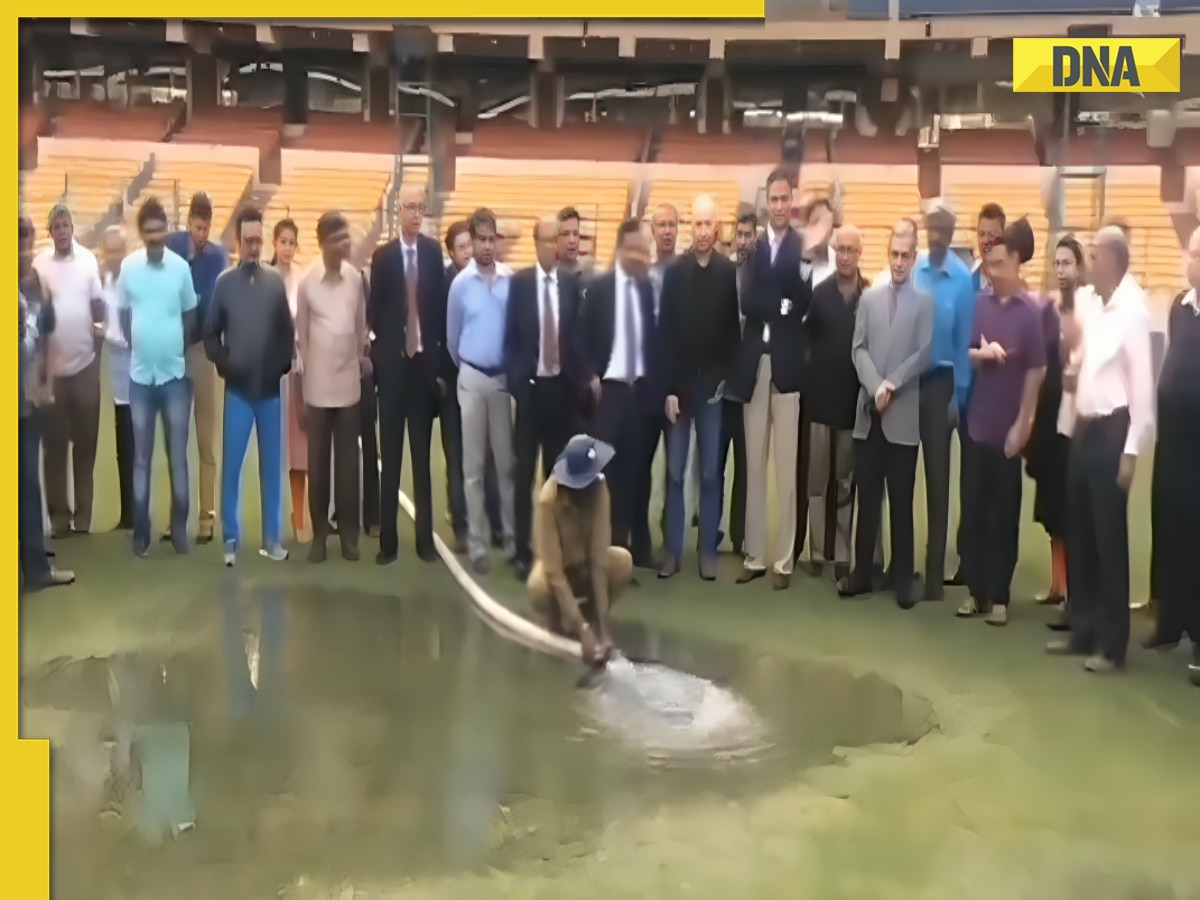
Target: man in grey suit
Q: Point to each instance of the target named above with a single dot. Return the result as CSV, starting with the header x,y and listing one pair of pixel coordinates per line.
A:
x,y
892,334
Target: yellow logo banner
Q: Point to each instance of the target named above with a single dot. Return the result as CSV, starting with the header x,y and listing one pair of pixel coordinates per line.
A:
x,y
1096,65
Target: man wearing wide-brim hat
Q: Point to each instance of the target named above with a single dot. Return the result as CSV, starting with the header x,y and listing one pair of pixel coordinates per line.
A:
x,y
577,571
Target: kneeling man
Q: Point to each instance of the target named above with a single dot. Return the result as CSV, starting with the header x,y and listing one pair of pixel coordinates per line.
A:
x,y
577,571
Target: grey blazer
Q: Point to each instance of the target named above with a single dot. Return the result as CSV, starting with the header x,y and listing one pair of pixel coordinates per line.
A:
x,y
897,352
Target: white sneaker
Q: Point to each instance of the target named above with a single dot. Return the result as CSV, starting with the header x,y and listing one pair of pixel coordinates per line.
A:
x,y
230,553
275,552
998,615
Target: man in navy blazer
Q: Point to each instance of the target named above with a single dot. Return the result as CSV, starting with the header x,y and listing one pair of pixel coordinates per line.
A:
x,y
618,343
406,312
545,373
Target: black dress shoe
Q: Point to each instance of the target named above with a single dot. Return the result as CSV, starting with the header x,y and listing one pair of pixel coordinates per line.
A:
x,y
852,587
957,579
384,559
426,553
521,570
749,575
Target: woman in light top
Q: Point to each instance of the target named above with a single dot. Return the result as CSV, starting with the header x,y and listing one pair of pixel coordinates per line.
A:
x,y
1054,430
285,243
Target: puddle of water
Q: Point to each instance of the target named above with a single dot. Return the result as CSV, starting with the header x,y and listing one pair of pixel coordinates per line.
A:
x,y
329,736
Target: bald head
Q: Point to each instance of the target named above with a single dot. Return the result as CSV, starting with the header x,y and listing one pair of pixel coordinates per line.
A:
x,y
545,239
1110,250
115,245
704,224
412,209
940,220
847,243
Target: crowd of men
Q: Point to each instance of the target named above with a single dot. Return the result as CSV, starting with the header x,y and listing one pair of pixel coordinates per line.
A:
x,y
784,350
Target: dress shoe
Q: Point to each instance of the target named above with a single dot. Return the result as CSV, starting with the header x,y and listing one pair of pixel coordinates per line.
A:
x,y
204,537
852,587
317,551
53,578
749,575
644,559
998,615
813,568
482,565
669,567
383,558
350,552
972,607
708,568
521,570
957,579
1051,600
372,531
780,581
426,553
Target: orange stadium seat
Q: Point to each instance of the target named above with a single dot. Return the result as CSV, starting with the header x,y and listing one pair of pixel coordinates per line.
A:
x,y
1018,199
520,201
90,186
173,183
874,208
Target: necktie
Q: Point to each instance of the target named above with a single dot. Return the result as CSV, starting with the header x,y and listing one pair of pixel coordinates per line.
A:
x,y
631,312
549,331
412,344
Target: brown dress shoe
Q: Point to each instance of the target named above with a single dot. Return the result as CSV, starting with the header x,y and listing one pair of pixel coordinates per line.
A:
x,y
780,582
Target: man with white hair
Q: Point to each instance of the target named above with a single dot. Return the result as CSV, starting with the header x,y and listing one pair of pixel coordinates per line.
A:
x,y
700,328
1114,421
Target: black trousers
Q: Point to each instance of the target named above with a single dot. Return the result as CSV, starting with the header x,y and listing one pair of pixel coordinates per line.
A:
x,y
802,451
878,463
333,430
370,454
1098,538
408,400
937,393
123,422
991,520
654,430
546,420
620,421
733,434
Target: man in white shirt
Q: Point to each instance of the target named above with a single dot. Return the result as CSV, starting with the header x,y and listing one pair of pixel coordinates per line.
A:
x,y
70,279
115,249
1114,409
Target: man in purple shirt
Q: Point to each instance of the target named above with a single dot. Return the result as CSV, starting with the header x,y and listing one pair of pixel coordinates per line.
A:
x,y
1008,353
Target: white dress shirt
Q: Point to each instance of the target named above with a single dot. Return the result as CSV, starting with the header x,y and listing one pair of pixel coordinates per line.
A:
x,y
118,347
547,288
1115,369
626,303
71,283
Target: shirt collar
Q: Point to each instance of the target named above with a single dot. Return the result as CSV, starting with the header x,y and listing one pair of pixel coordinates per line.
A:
x,y
1128,292
471,270
325,272
1190,300
409,246
551,275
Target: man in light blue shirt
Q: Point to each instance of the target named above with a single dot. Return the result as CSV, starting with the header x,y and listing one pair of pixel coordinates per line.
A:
x,y
475,321
158,311
945,384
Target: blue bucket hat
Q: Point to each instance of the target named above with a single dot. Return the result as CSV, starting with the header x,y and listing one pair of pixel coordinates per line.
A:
x,y
582,462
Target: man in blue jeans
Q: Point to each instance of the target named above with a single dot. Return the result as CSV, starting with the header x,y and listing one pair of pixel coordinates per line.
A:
x,y
700,329
36,569
158,311
249,336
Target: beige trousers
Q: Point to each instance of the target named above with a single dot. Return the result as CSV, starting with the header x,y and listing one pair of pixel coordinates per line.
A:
x,y
545,603
204,392
771,417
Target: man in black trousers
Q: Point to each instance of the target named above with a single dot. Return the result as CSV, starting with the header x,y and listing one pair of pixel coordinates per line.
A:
x,y
406,311
617,343
545,375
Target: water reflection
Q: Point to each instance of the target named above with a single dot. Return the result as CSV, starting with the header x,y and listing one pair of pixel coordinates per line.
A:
x,y
381,738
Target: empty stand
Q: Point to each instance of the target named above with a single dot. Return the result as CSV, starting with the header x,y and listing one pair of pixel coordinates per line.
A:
x,y
308,192
749,147
90,186
348,133
600,141
520,201
174,181
239,126
107,121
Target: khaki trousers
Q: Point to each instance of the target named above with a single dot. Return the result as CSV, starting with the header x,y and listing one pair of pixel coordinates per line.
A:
x,y
545,603
771,417
204,392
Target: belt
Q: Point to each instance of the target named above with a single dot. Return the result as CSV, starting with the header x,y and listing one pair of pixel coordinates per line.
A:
x,y
489,371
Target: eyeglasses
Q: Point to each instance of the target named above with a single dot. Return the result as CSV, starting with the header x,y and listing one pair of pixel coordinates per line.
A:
x,y
414,208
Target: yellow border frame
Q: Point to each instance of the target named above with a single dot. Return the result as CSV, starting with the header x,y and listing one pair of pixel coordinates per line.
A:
x,y
26,764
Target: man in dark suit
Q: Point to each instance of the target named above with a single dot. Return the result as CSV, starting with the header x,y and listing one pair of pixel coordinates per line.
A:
x,y
406,311
769,374
544,371
699,330
617,340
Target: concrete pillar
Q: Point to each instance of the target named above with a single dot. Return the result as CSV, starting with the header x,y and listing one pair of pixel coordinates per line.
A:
x,y
203,85
547,101
468,111
27,78
710,101
929,173
377,91
295,88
